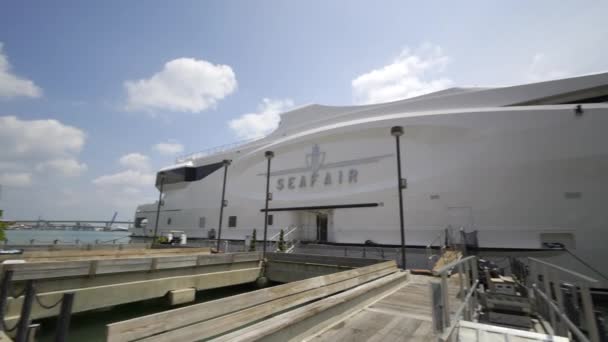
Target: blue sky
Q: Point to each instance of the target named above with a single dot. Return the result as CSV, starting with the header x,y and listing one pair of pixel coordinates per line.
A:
x,y
88,89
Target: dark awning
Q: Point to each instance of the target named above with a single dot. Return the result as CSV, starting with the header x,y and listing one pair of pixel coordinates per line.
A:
x,y
320,207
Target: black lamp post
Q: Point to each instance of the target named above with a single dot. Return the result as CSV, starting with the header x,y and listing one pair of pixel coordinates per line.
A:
x,y
269,155
222,205
160,199
397,131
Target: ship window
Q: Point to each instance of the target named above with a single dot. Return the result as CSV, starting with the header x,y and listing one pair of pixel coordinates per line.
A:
x,y
187,174
201,222
141,222
169,221
231,221
270,220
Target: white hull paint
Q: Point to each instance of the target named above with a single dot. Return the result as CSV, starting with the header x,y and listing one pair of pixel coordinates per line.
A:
x,y
519,171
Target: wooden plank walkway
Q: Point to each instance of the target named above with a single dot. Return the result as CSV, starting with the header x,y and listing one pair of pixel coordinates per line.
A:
x,y
402,315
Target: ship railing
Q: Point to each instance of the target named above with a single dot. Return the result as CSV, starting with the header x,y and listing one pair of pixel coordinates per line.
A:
x,y
444,325
548,289
289,239
431,257
213,150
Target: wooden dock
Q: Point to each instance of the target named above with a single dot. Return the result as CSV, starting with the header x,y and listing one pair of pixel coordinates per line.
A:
x,y
323,298
403,315
378,302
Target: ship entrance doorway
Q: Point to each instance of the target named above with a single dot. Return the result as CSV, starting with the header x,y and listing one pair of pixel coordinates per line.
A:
x,y
321,227
315,225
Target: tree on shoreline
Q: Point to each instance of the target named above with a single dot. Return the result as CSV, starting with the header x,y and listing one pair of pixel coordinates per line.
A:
x,y
3,226
252,243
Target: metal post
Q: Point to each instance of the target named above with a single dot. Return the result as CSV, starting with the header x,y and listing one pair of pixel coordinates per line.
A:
x,y
268,155
444,298
475,278
589,314
26,310
160,199
470,286
561,328
549,293
460,280
63,322
4,290
463,238
397,131
222,205
437,308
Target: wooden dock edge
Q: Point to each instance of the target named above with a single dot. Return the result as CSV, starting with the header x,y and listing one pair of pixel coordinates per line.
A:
x,y
307,320
220,316
80,254
95,297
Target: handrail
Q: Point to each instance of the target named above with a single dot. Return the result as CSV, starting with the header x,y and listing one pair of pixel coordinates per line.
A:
x,y
573,328
430,244
276,236
454,264
289,232
446,335
468,275
551,286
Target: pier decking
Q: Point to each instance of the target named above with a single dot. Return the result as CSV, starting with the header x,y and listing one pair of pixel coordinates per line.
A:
x,y
378,302
322,299
404,314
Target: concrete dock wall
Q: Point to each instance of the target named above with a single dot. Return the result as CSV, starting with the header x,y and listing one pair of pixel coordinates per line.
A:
x,y
99,283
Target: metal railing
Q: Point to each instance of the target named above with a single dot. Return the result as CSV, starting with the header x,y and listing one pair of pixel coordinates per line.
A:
x,y
289,238
443,324
546,282
213,150
431,257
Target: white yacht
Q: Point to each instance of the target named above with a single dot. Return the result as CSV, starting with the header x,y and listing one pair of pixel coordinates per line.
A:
x,y
524,166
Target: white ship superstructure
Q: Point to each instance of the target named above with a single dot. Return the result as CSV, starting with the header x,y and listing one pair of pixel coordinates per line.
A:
x,y
524,166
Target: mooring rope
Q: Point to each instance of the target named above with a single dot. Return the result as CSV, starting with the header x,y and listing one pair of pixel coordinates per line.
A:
x,y
48,307
586,264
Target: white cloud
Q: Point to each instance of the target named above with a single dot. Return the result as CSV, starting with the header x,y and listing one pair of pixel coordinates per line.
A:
x,y
262,122
135,161
128,178
543,69
66,167
12,85
183,85
40,145
16,179
38,138
127,182
409,75
169,148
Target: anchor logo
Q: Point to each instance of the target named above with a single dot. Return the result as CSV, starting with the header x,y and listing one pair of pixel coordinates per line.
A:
x,y
315,159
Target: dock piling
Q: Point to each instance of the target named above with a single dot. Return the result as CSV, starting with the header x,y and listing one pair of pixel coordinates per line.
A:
x,y
63,322
4,289
26,310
